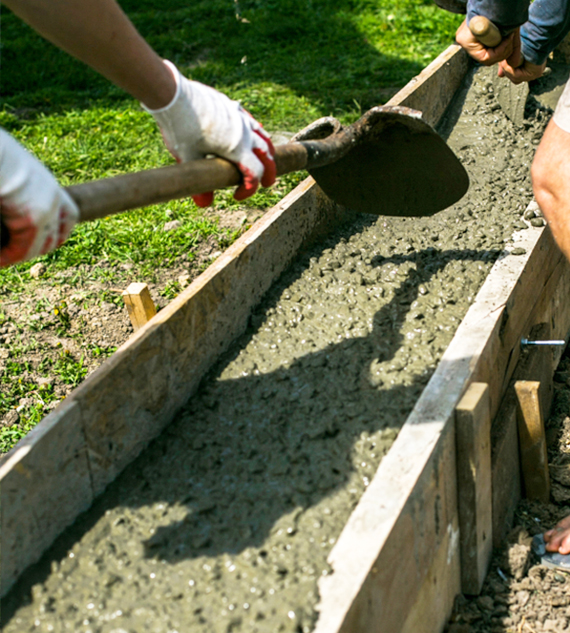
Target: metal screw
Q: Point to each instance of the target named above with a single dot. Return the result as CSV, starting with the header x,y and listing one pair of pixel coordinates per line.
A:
x,y
525,341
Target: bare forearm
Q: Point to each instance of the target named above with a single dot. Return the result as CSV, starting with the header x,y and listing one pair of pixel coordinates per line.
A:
x,y
98,33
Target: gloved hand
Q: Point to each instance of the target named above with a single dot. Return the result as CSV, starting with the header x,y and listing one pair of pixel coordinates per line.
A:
x,y
37,213
200,121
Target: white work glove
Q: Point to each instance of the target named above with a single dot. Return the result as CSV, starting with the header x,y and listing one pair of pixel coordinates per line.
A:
x,y
36,212
200,120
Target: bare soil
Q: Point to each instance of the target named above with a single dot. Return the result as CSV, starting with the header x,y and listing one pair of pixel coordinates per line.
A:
x,y
65,325
520,595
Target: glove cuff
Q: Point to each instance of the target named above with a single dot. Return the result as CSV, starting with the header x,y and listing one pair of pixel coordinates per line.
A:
x,y
177,79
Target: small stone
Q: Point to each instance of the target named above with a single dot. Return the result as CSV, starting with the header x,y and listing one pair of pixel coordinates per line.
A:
x,y
106,306
45,382
486,603
172,226
518,251
537,222
37,270
10,419
530,213
184,280
522,597
25,402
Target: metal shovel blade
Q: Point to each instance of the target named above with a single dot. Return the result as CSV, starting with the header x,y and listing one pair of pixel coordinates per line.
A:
x,y
512,98
398,165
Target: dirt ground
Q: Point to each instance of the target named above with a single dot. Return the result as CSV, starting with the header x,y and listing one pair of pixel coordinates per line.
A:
x,y
62,329
519,594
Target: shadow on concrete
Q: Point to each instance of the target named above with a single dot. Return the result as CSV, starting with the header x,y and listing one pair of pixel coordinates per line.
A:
x,y
247,451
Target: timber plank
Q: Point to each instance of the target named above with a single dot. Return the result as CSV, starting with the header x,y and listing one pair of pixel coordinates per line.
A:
x,y
473,433
532,440
32,514
430,91
388,518
505,467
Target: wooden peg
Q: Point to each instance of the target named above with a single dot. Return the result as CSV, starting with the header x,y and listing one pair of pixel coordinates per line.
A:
x,y
532,440
474,496
139,304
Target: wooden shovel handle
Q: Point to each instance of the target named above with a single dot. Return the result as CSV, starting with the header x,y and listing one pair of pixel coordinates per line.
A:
x,y
485,31
100,198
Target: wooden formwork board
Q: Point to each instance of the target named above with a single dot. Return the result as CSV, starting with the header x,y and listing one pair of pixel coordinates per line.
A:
x,y
54,473
396,563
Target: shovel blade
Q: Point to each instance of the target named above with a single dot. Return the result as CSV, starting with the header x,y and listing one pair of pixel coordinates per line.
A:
x,y
398,166
512,98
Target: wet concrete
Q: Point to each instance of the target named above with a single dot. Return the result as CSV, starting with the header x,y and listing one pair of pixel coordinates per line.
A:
x,y
225,523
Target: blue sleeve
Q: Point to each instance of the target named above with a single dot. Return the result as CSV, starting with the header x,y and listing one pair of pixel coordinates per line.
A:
x,y
505,14
548,23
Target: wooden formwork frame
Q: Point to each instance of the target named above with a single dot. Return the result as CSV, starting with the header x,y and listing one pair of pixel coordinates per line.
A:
x,y
396,564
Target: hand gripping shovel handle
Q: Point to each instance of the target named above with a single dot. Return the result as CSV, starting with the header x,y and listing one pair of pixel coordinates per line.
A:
x,y
389,162
100,198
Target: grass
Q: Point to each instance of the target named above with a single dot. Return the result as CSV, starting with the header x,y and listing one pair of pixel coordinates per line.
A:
x,y
288,61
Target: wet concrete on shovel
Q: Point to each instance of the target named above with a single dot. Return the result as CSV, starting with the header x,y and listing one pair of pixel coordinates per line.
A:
x,y
225,522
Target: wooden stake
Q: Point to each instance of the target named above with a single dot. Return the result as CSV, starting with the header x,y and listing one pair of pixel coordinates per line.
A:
x,y
474,496
534,457
139,304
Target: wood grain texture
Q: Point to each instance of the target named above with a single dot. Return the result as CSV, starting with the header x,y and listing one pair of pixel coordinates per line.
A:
x,y
394,525
431,90
505,467
532,440
140,306
44,484
474,492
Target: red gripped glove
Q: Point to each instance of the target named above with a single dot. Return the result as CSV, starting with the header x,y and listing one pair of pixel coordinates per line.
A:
x,y
201,121
36,212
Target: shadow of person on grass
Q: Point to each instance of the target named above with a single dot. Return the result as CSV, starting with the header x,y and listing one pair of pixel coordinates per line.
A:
x,y
315,49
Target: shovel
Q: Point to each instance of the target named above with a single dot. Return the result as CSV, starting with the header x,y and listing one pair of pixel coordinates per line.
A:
x,y
390,162
511,97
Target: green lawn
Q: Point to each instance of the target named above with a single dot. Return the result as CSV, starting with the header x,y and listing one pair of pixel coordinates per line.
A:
x,y
288,61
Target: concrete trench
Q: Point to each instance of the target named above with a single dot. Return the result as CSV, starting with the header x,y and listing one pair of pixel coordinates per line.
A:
x,y
225,522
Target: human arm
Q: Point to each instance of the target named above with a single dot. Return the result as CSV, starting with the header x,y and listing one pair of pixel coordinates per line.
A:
x,y
542,28
547,25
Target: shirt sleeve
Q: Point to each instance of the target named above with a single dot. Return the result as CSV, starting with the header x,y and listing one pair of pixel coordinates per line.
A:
x,y
547,25
505,14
